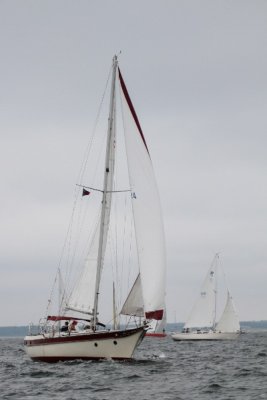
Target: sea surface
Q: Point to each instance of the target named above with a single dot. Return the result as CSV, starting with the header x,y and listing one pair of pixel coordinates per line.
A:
x,y
161,369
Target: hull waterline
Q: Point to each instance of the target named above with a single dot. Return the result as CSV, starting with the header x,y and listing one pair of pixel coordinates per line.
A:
x,y
119,345
205,336
157,335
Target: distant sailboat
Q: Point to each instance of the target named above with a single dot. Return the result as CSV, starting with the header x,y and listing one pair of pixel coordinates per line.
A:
x,y
81,307
201,324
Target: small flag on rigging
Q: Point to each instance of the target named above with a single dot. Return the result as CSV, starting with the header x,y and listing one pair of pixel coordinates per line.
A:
x,y
85,192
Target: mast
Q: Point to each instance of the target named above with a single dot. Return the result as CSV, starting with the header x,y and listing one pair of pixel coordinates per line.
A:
x,y
60,291
106,197
115,325
216,259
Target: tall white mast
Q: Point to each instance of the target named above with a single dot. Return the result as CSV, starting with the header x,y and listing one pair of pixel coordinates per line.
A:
x,y
216,260
107,190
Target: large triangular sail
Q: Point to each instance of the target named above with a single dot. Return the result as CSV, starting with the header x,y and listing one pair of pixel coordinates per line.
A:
x,y
146,210
229,321
203,312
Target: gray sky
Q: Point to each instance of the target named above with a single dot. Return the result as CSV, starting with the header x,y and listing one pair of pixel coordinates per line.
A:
x,y
196,72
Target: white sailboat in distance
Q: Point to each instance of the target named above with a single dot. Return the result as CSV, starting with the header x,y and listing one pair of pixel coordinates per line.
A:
x,y
75,331
201,323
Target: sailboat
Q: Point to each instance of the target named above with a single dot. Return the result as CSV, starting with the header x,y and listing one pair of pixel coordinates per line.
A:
x,y
201,323
76,332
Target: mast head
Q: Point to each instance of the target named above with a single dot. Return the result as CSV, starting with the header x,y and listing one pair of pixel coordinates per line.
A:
x,y
115,58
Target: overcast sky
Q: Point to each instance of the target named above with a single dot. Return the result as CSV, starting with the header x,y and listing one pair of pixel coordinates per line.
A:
x,y
196,72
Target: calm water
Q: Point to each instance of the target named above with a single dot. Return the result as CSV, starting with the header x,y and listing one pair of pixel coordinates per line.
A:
x,y
162,369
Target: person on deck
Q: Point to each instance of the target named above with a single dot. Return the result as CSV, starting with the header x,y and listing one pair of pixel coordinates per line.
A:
x,y
65,327
72,326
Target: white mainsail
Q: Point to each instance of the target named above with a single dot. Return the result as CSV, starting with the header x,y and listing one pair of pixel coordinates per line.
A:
x,y
83,294
229,321
146,210
203,312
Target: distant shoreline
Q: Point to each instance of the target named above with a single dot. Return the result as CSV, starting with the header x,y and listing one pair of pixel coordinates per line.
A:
x,y
20,331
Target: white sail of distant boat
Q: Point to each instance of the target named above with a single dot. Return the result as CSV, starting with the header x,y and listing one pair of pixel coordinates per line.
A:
x,y
229,321
203,312
81,306
201,323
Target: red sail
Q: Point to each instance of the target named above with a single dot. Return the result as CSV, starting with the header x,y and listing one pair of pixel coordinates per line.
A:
x,y
131,107
158,315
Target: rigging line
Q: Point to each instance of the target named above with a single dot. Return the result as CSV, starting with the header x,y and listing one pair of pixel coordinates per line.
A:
x,y
113,261
73,227
83,167
132,219
85,248
124,238
84,163
113,245
88,243
51,293
61,256
224,276
116,232
89,146
102,191
80,176
104,136
78,227
130,252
